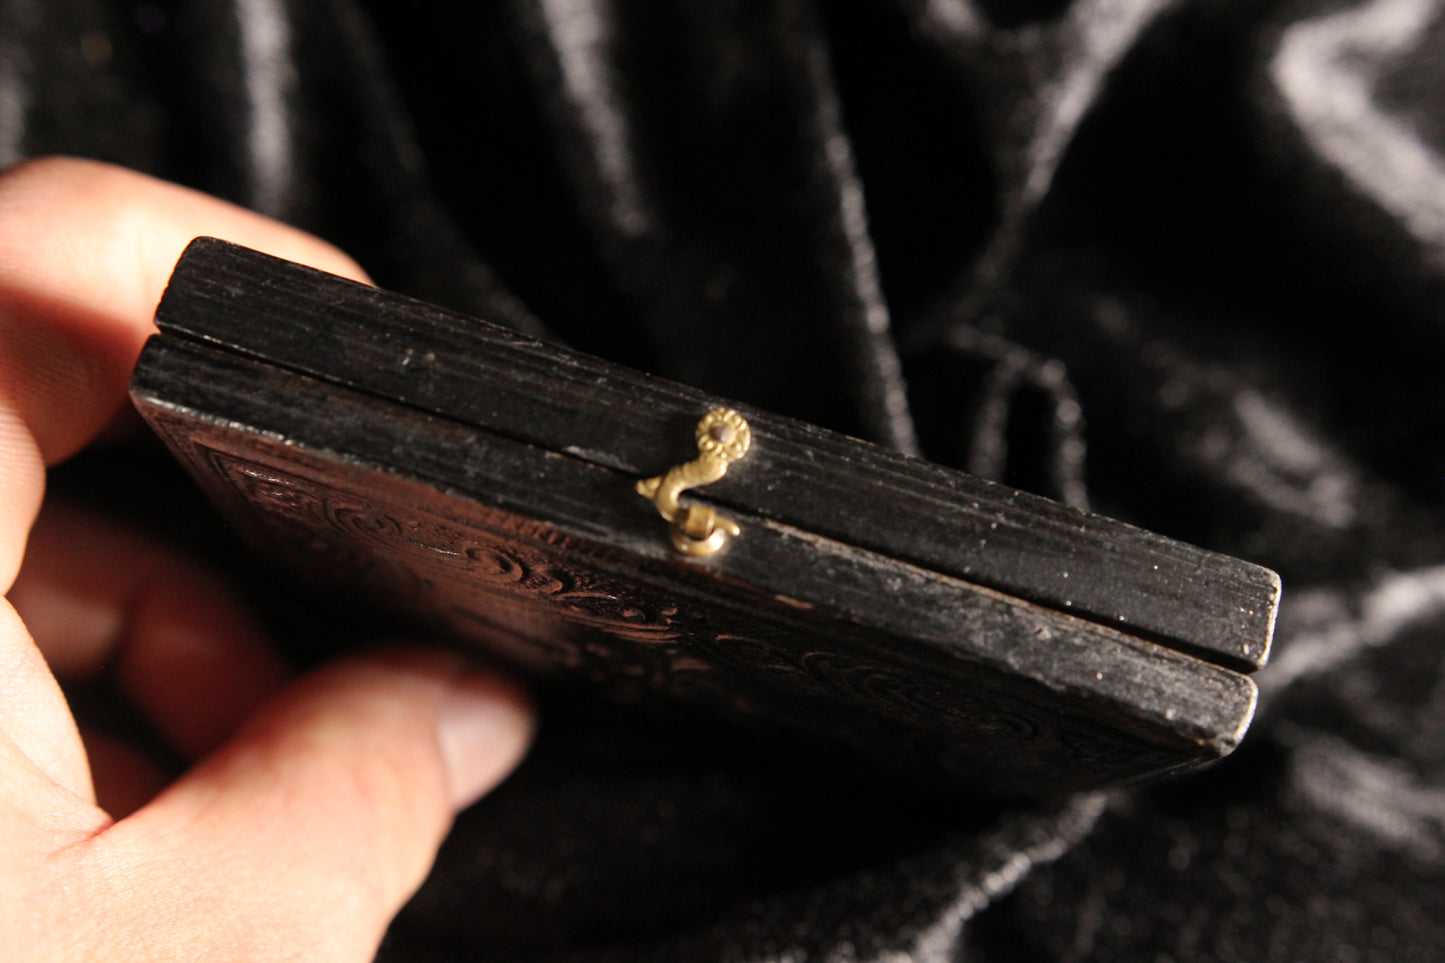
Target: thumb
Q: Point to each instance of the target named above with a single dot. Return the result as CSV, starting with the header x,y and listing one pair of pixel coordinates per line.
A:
x,y
304,835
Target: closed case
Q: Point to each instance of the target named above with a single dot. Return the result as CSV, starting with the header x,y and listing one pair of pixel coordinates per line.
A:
x,y
487,483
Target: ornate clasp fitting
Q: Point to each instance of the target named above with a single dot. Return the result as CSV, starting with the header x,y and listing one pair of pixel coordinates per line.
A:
x,y
723,437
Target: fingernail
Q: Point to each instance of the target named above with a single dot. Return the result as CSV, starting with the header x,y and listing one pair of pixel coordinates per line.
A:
x,y
484,728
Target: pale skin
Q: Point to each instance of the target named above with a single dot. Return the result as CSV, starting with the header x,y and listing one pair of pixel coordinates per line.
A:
x,y
314,805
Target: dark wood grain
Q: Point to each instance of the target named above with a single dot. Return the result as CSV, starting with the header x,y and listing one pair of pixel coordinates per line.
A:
x,y
1219,608
551,559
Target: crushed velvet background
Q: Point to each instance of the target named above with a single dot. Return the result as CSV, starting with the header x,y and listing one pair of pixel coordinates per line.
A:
x,y
1182,262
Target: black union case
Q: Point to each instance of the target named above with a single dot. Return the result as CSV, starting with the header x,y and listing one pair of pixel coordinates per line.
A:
x,y
484,482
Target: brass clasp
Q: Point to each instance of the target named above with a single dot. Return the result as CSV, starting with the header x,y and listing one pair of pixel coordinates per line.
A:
x,y
723,437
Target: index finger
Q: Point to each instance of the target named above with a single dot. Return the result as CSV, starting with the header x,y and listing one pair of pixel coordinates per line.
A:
x,y
85,250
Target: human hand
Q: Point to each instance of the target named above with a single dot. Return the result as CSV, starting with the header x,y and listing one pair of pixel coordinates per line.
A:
x,y
316,806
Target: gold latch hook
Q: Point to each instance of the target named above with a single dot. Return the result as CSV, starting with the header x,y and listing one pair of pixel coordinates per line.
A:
x,y
723,437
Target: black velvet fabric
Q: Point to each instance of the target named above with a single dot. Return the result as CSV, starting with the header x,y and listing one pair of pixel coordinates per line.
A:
x,y
1181,262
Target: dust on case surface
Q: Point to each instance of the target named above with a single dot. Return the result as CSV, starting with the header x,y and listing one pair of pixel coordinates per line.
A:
x,y
552,558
